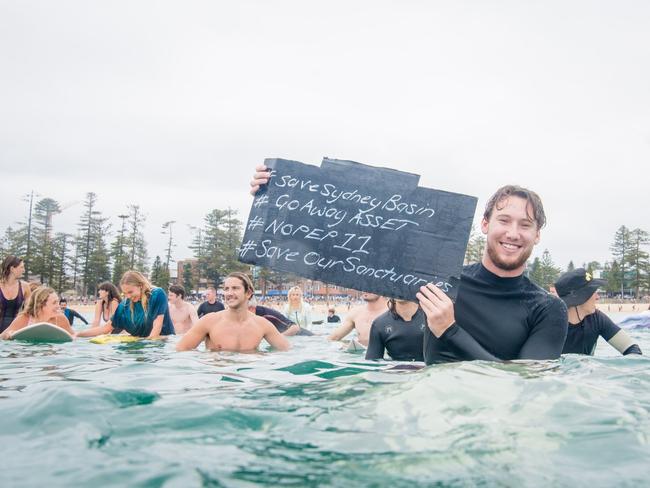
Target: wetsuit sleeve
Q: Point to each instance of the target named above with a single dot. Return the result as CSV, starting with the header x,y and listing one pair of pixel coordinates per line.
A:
x,y
158,305
615,336
460,339
280,322
376,345
79,316
548,331
201,310
117,319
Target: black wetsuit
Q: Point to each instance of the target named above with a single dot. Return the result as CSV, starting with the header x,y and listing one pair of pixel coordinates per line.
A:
x,y
582,337
10,308
333,319
280,322
71,314
207,307
499,319
401,339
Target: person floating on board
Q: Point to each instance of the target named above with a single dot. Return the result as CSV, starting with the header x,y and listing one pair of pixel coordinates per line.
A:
x,y
297,309
499,313
183,314
360,318
579,291
41,306
11,270
399,331
69,313
332,318
211,303
285,326
235,329
144,312
106,306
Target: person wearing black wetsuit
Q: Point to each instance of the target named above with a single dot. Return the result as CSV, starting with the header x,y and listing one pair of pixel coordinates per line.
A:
x,y
332,317
282,323
69,313
499,313
399,331
211,304
579,291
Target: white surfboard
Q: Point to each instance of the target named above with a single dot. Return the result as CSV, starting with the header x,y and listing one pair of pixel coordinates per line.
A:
x,y
42,332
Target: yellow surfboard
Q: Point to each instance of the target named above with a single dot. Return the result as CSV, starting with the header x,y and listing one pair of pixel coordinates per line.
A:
x,y
114,339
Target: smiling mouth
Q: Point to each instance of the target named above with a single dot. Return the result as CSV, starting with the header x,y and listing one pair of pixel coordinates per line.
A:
x,y
508,246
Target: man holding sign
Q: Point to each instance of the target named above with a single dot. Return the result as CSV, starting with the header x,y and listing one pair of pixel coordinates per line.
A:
x,y
499,314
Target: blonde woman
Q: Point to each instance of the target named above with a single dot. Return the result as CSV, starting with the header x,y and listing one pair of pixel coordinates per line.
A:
x,y
106,306
296,309
13,291
144,312
42,306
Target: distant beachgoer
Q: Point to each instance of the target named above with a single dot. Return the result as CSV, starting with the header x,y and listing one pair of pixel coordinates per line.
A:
x,y
211,303
41,306
579,291
183,314
69,313
332,318
399,331
106,306
297,309
144,312
11,270
360,318
236,328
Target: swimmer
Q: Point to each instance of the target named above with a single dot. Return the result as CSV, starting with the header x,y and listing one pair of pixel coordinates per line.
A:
x,y
69,313
106,306
235,329
332,318
183,314
579,291
360,318
144,312
400,332
41,306
499,313
297,309
11,270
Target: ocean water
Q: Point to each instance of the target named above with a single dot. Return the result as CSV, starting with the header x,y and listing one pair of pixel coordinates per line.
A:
x,y
140,414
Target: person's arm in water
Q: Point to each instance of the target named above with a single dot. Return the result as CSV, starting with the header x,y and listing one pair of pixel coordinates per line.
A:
x,y
156,327
615,336
344,329
193,337
292,330
79,316
61,320
376,346
273,337
107,328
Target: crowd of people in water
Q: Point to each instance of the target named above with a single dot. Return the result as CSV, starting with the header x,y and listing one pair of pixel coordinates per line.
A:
x,y
499,314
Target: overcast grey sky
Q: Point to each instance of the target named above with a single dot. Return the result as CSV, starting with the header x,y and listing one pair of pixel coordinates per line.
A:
x,y
170,105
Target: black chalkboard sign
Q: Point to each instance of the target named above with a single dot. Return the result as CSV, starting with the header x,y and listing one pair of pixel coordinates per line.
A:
x,y
361,227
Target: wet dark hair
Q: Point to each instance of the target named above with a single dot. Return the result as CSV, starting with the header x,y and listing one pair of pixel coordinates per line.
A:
x,y
111,289
8,262
533,199
63,300
178,290
245,279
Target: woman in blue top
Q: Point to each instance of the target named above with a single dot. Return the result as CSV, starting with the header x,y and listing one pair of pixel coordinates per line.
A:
x,y
143,313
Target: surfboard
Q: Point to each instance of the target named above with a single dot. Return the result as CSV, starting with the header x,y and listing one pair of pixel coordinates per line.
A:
x,y
42,332
114,339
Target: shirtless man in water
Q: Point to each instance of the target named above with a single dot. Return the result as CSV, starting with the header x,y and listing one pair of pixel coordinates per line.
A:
x,y
234,329
361,318
183,314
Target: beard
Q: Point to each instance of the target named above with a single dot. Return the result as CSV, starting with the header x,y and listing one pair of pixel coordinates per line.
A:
x,y
508,265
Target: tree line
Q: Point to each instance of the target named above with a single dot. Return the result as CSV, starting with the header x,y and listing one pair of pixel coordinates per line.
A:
x,y
627,273
101,251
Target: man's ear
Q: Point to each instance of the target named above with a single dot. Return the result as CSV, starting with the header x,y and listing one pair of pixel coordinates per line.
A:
x,y
484,226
